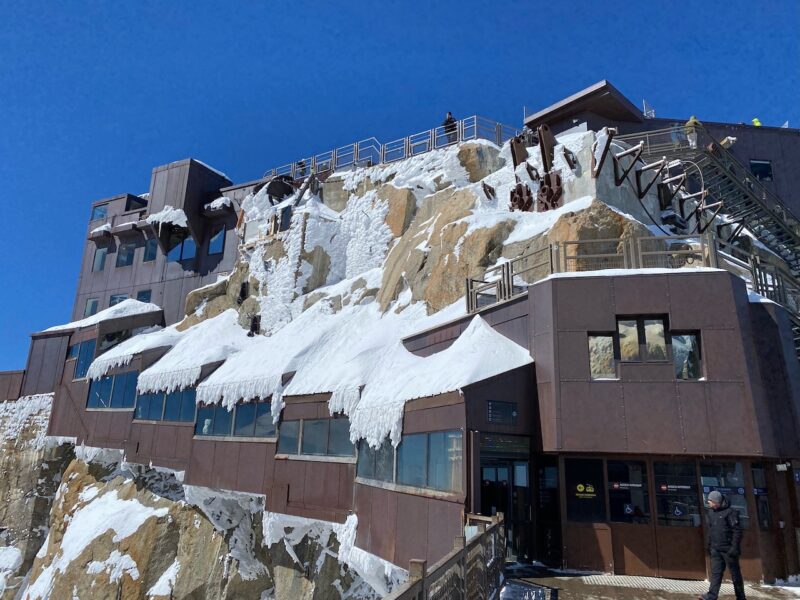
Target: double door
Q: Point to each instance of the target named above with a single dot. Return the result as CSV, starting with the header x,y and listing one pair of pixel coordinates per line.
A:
x,y
505,488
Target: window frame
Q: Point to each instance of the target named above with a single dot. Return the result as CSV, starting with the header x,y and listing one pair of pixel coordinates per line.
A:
x,y
101,208
326,457
149,293
163,395
150,250
116,379
111,301
614,350
216,231
86,307
700,361
231,436
98,249
181,257
642,338
93,342
128,253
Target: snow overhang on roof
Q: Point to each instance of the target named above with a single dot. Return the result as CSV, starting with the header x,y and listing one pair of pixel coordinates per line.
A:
x,y
126,308
602,98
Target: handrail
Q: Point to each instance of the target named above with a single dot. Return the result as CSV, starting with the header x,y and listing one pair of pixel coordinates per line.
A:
x,y
371,152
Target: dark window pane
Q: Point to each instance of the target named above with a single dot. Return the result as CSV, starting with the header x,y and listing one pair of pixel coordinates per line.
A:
x,y
99,262
384,462
245,420
142,406
72,351
339,443
628,339
677,501
172,406
188,403
264,425
205,421
223,421
117,298
601,357
175,247
726,477
135,203
118,392
144,295
686,355
85,358
412,460
131,378
586,501
315,436
189,249
150,250
366,460
289,434
125,253
99,212
628,493
110,340
762,169
93,401
762,498
156,407
91,307
216,244
655,341
445,461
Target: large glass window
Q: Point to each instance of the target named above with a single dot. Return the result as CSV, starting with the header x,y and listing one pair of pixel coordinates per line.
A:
x,y
726,477
113,391
686,355
125,253
289,439
254,419
601,356
315,436
99,262
99,212
762,169
91,307
178,406
216,244
377,464
182,247
412,460
677,500
642,338
85,358
116,299
586,502
444,460
320,437
213,421
655,341
628,339
150,250
763,513
628,493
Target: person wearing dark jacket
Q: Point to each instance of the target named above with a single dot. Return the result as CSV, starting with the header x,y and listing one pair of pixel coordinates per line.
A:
x,y
724,545
450,128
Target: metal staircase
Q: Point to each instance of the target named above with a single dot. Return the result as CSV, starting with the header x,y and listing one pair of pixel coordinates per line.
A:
x,y
729,187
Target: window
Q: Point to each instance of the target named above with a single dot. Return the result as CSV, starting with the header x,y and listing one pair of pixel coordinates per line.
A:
x,y
99,212
109,340
762,498
144,295
727,478
182,247
116,299
91,307
628,493
642,338
176,406
253,419
601,356
761,169
213,421
125,253
85,358
686,355
72,351
316,437
583,478
677,501
150,250
99,262
115,391
216,244
424,460
135,203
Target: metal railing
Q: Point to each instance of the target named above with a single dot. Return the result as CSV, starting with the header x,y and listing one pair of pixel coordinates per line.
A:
x,y
473,570
371,152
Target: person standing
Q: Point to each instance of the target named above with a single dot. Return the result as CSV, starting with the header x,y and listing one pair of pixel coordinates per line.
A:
x,y
724,545
450,128
691,131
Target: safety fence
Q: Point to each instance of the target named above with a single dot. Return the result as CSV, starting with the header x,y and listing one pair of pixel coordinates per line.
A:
x,y
371,152
473,570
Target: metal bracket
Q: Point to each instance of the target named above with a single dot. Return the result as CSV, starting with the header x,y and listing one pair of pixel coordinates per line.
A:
x,y
596,168
635,152
658,167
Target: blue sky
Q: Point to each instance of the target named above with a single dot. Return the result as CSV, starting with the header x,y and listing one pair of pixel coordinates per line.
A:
x,y
94,95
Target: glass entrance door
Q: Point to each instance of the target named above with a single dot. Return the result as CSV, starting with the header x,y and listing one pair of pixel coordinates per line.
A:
x,y
505,488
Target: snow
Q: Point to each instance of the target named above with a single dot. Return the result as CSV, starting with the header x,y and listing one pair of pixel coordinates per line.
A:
x,y
207,342
126,308
755,298
29,414
116,565
102,229
122,354
102,456
220,202
166,583
632,272
104,513
170,215
10,561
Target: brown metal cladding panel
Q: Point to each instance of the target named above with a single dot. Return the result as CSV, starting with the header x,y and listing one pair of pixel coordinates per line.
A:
x,y
664,372
322,485
347,475
512,386
434,419
269,465
165,440
444,525
120,425
700,301
634,548
583,304
412,536
516,330
588,546
383,523
652,417
300,410
363,508
183,442
201,463
226,464
544,355
102,425
693,407
733,426
573,355
540,306
250,476
592,417
146,436
681,552
548,417
294,472
638,295
723,356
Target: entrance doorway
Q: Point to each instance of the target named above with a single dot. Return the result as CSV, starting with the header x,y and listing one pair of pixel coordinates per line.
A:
x,y
547,512
505,488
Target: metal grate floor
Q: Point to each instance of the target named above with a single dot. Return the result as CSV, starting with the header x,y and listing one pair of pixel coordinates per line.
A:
x,y
666,585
